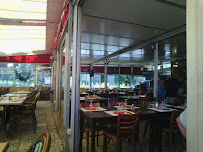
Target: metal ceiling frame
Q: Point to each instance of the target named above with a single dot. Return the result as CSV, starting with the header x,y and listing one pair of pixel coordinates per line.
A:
x,y
115,20
172,3
153,40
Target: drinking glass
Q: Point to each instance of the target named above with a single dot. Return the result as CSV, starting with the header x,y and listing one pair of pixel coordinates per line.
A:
x,y
126,102
119,106
91,104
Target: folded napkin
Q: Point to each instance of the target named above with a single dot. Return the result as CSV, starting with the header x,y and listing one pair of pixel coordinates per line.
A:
x,y
126,106
117,112
91,108
163,109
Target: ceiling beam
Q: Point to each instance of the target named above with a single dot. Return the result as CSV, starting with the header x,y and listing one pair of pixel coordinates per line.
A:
x,y
115,20
172,4
136,46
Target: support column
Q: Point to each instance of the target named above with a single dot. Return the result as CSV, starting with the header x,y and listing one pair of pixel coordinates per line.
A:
x,y
131,76
67,103
75,100
155,69
60,79
105,74
57,79
194,75
54,87
91,81
52,80
119,76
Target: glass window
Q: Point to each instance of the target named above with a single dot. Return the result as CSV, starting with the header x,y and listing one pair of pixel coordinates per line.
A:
x,y
102,81
24,66
96,81
44,76
84,80
63,78
25,78
6,78
125,81
137,79
6,65
112,81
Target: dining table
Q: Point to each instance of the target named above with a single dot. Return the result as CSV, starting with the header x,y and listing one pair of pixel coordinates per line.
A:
x,y
105,116
8,102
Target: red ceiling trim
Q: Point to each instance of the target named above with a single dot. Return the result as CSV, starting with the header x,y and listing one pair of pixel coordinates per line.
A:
x,y
41,58
62,23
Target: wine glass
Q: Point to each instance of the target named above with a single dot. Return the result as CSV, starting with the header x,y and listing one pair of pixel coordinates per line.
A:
x,y
91,103
126,102
119,106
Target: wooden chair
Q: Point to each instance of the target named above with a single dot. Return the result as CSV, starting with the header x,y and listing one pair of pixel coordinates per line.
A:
x,y
142,99
111,104
87,104
94,100
145,103
87,127
46,138
26,111
4,146
171,129
126,128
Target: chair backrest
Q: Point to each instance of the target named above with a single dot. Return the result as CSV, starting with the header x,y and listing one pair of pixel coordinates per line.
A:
x,y
173,123
111,104
146,102
94,96
96,100
87,104
127,123
46,137
142,99
37,97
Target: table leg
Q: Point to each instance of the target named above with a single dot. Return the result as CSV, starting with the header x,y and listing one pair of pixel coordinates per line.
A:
x,y
151,137
81,132
93,124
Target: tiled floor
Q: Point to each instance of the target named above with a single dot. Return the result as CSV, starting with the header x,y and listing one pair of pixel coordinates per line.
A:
x,y
48,120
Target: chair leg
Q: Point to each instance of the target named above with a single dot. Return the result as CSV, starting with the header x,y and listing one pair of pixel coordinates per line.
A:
x,y
105,144
160,140
134,143
119,145
87,141
145,129
170,142
34,122
97,138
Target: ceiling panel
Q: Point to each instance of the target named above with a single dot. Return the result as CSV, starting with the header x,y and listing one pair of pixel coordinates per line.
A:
x,y
114,28
20,9
23,39
144,12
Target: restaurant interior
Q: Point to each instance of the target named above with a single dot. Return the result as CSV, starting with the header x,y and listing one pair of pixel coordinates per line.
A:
x,y
92,75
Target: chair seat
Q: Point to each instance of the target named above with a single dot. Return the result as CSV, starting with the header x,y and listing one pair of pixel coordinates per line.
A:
x,y
175,130
113,132
98,127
